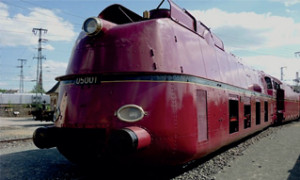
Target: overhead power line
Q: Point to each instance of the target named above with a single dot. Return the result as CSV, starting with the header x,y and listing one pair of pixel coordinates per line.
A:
x,y
23,32
28,20
38,6
64,12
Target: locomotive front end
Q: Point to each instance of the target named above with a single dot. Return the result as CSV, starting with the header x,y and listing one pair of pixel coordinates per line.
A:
x,y
120,93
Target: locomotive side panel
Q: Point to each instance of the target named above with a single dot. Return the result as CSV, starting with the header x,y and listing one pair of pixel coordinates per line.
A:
x,y
188,51
291,104
210,61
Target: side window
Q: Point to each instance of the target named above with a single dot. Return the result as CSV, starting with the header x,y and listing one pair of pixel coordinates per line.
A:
x,y
269,83
276,85
233,116
257,113
247,116
266,111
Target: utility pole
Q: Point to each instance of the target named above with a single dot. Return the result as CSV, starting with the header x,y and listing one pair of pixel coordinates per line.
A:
x,y
281,71
40,57
21,87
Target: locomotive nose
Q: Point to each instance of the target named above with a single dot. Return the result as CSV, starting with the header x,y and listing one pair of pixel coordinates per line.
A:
x,y
129,139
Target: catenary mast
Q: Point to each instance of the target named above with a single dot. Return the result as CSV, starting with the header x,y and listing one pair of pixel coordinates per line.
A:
x,y
40,57
21,87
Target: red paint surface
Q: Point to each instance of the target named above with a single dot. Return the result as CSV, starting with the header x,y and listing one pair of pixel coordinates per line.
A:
x,y
160,46
144,138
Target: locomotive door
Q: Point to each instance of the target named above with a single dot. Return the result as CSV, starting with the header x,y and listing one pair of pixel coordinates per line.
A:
x,y
202,114
280,104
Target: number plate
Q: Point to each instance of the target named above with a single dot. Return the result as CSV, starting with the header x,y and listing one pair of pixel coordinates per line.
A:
x,y
87,80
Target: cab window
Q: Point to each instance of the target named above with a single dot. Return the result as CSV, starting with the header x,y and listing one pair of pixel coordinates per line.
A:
x,y
276,85
269,82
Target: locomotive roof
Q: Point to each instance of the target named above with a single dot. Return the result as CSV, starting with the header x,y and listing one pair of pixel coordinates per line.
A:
x,y
119,14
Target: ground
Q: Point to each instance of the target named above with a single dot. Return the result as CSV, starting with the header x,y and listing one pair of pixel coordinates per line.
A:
x,y
272,154
274,157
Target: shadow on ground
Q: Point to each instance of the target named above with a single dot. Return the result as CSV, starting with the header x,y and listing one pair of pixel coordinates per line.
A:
x,y
50,164
295,172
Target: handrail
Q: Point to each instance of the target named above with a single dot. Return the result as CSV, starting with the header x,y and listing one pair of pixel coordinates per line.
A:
x,y
160,4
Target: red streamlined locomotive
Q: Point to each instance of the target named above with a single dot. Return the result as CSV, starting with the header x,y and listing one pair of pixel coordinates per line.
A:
x,y
158,89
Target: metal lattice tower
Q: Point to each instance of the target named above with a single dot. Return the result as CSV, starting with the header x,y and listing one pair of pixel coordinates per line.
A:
x,y
281,72
297,80
21,86
40,57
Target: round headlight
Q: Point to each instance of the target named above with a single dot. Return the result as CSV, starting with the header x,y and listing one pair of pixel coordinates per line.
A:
x,y
130,113
92,26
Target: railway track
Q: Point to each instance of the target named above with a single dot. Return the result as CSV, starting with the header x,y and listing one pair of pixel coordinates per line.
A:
x,y
17,144
18,139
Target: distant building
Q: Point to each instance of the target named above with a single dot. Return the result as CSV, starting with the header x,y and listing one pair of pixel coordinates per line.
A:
x,y
10,91
53,93
20,103
23,98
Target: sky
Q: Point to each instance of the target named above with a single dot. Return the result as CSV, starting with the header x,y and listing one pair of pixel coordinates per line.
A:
x,y
264,34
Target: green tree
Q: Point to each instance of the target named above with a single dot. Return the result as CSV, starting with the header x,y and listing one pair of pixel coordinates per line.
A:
x,y
3,90
37,89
